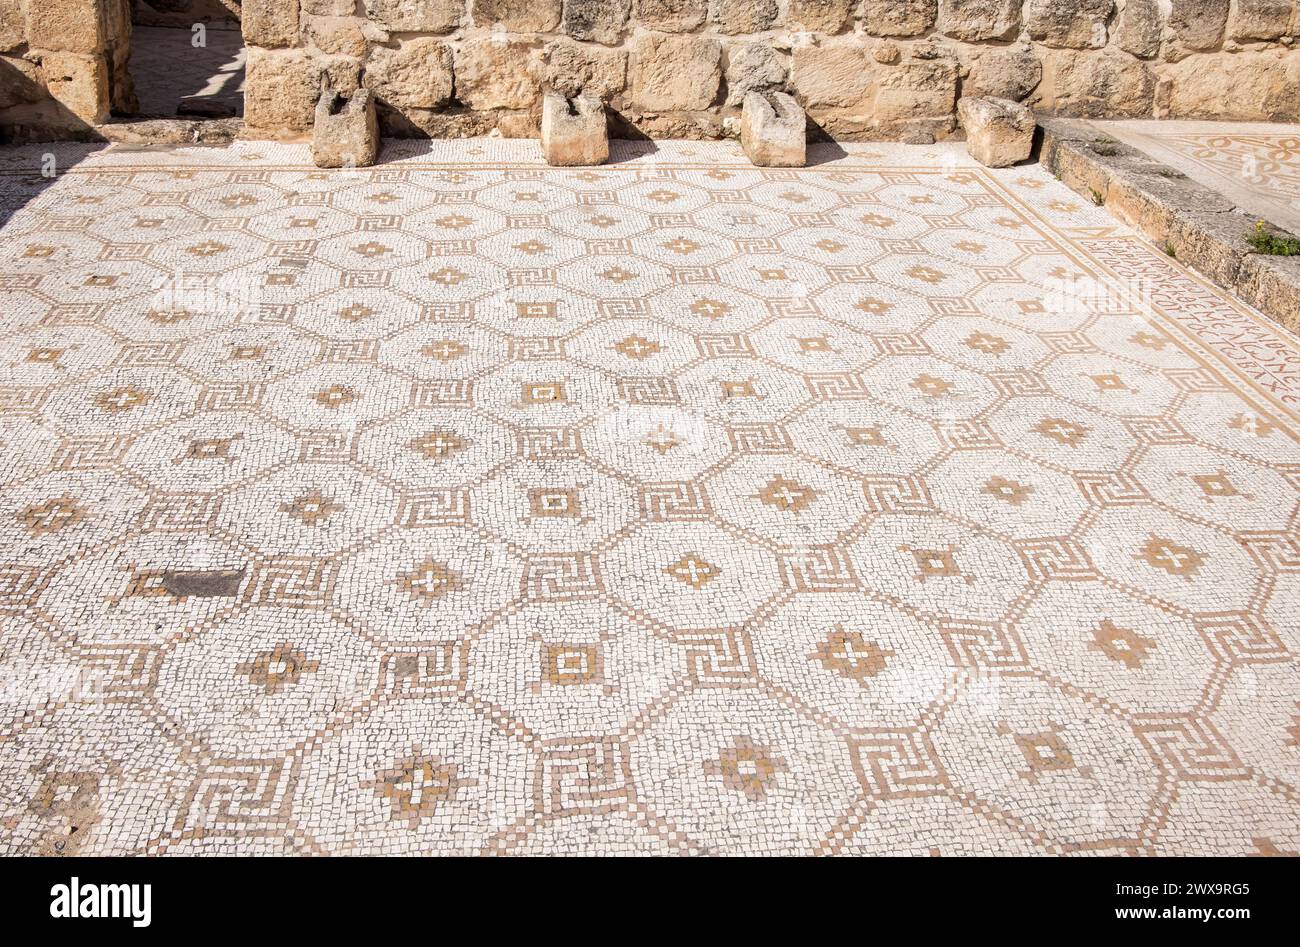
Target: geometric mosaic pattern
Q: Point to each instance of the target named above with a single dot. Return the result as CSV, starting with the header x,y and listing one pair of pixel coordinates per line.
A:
x,y
464,505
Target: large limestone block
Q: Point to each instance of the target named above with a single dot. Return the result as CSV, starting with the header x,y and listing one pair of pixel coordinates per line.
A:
x,y
837,75
346,131
979,19
1108,84
1069,24
742,16
898,17
574,131
417,74
1010,73
821,16
925,88
1249,86
415,16
272,24
572,68
1198,24
12,26
999,132
675,73
1139,27
491,74
79,83
280,91
753,67
597,21
67,26
671,16
773,130
518,16
1262,19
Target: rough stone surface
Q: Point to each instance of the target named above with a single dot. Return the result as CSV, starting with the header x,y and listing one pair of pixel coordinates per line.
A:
x,y
671,16
12,27
270,24
999,132
979,19
574,131
573,68
1139,27
821,16
495,75
281,90
336,35
670,73
415,16
417,74
1071,24
1253,86
773,130
742,16
916,89
20,82
832,74
68,26
598,21
346,131
1263,19
1010,73
1198,24
518,16
753,67
1092,85
898,17
79,83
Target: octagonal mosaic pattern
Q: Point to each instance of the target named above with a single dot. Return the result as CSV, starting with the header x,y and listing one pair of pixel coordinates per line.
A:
x,y
463,505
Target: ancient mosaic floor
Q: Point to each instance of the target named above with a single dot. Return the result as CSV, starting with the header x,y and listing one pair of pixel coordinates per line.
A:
x,y
462,505
1254,164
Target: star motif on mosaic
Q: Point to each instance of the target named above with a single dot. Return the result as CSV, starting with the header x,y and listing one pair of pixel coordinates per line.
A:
x,y
207,248
167,317
445,350
1122,645
662,439
45,356
312,508
335,396
682,246
356,313
747,767
371,249
1062,431
873,307
849,655
930,386
786,495
278,668
438,444
1169,556
417,785
52,515
710,308
1008,491
637,347
122,399
694,570
211,448
430,580
448,276
987,343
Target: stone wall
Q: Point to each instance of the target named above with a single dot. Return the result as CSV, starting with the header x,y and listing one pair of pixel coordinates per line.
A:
x,y
63,66
680,68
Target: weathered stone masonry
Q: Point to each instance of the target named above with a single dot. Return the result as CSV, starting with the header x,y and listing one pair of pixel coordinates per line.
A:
x,y
681,68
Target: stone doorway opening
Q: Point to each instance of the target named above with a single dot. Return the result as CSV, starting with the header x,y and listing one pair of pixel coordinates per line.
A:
x,y
187,59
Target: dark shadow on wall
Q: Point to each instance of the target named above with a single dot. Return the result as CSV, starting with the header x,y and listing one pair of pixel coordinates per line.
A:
x,y
187,73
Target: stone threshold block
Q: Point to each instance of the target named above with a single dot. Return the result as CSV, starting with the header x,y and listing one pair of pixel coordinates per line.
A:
x,y
773,130
346,132
999,132
574,131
